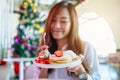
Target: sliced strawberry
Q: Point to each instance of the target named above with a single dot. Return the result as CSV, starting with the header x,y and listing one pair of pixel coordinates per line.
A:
x,y
58,53
46,61
42,60
36,60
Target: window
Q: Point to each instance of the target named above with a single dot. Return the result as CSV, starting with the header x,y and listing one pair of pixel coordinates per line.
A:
x,y
95,29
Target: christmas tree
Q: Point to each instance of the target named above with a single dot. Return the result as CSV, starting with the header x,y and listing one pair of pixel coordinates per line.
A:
x,y
28,31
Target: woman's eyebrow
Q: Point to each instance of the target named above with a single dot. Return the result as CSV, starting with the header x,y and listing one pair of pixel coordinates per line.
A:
x,y
64,18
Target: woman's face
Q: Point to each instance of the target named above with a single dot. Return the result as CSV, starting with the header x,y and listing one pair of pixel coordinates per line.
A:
x,y
60,26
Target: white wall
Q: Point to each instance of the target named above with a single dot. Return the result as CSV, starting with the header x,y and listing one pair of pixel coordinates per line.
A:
x,y
108,9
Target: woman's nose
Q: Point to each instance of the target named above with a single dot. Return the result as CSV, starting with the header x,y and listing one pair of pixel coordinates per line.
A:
x,y
57,25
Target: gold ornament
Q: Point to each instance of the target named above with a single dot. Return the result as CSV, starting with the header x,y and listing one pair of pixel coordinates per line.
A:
x,y
23,21
30,1
41,30
31,4
34,9
36,25
25,5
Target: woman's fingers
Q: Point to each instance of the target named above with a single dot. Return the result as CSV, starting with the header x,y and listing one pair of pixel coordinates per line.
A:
x,y
43,47
81,57
71,69
42,50
77,69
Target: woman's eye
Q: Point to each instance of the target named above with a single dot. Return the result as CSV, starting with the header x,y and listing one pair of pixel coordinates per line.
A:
x,y
63,21
53,20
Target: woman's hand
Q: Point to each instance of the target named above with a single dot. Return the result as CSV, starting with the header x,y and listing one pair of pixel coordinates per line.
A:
x,y
42,50
77,69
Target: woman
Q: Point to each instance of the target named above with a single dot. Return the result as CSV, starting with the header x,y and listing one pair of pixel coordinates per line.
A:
x,y
62,34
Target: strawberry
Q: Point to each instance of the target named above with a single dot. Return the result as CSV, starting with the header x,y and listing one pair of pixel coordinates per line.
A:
x,y
58,53
37,60
46,61
42,60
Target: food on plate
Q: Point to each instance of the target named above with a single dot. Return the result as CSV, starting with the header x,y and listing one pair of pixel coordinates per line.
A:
x,y
58,53
58,57
68,56
42,60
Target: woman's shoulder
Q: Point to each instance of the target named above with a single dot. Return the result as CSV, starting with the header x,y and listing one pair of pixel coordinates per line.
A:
x,y
87,44
88,48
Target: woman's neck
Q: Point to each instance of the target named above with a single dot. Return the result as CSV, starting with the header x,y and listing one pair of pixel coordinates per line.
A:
x,y
61,43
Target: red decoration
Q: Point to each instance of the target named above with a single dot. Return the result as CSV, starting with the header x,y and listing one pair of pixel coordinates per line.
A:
x,y
16,65
2,62
16,68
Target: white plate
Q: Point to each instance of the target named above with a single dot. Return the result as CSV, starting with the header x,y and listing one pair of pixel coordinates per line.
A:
x,y
63,65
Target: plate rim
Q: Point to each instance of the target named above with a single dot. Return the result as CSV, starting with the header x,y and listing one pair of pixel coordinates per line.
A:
x,y
62,65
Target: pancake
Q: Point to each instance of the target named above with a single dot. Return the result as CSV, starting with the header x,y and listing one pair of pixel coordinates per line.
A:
x,y
68,56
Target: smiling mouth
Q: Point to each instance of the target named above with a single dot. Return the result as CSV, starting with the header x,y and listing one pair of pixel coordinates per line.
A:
x,y
56,31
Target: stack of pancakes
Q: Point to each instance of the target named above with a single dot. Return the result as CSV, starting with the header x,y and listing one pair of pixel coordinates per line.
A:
x,y
68,56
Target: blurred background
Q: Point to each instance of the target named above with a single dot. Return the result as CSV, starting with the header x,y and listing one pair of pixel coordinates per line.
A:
x,y
22,24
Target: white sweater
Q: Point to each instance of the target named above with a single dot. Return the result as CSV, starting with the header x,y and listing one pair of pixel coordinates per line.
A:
x,y
32,71
91,59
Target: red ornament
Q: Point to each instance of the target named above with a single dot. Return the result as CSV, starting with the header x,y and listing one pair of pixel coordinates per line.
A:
x,y
16,68
16,65
2,62
21,8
